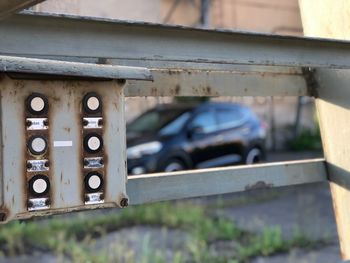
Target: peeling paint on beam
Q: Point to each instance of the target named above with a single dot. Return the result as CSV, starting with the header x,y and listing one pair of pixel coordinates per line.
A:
x,y
241,82
33,67
178,185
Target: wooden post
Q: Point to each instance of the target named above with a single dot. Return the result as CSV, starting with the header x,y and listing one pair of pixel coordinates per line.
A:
x,y
329,18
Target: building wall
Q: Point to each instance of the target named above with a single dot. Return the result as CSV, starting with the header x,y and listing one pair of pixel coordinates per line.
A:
x,y
142,10
268,16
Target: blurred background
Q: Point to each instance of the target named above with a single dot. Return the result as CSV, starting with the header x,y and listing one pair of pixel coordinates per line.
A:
x,y
294,224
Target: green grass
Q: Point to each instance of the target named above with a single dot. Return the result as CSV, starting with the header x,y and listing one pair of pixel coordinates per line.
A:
x,y
72,237
307,140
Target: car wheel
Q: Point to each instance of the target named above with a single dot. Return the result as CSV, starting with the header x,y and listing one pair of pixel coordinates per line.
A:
x,y
174,165
254,155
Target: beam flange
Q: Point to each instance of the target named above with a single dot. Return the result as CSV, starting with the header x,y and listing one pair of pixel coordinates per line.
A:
x,y
178,185
159,46
33,67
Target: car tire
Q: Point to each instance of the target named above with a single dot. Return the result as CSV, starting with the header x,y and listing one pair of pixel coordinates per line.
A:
x,y
253,155
173,165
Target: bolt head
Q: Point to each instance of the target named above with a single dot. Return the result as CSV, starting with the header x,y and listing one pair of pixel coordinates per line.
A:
x,y
124,202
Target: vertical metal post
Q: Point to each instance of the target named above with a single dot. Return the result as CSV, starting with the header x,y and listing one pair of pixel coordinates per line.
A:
x,y
205,13
329,18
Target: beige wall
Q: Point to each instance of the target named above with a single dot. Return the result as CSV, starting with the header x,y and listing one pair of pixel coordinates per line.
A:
x,y
328,20
143,10
186,13
269,16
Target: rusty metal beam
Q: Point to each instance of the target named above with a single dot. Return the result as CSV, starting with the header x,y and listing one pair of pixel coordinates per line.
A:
x,y
8,7
32,67
245,81
169,186
162,47
184,61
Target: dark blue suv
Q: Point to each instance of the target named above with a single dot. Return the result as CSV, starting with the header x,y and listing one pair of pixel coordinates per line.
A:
x,y
176,137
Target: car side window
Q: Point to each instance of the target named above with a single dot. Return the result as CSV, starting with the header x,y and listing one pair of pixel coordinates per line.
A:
x,y
176,125
204,122
230,118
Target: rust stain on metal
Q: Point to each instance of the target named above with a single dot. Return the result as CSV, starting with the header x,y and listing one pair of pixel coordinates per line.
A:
x,y
208,90
79,117
258,185
311,82
154,91
4,211
177,89
121,81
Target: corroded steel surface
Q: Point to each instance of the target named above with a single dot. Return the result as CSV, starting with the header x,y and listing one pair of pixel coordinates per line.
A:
x,y
64,133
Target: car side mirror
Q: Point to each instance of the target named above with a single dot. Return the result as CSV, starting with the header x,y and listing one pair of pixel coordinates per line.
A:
x,y
194,130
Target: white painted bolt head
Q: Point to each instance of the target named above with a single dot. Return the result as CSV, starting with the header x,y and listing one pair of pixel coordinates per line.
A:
x,y
38,144
40,186
94,182
94,143
93,103
37,104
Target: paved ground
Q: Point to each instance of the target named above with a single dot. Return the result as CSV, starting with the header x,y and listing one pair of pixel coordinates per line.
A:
x,y
328,254
307,209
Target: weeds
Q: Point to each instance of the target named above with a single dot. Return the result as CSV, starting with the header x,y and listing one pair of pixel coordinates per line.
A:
x,y
72,237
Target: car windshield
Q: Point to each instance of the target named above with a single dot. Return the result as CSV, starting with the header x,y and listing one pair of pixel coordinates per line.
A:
x,y
152,121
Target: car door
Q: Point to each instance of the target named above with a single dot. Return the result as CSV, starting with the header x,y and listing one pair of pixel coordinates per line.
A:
x,y
232,128
203,139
